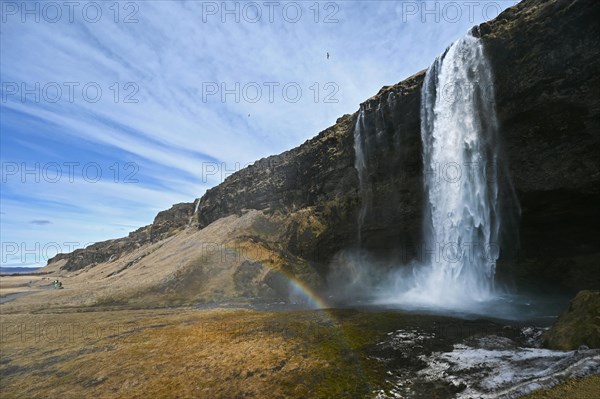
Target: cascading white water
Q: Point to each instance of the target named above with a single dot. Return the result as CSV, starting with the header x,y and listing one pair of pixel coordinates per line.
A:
x,y
363,163
461,220
191,220
360,164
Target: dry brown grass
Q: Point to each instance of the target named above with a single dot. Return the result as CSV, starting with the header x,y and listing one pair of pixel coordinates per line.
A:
x,y
87,341
182,353
214,353
192,266
14,284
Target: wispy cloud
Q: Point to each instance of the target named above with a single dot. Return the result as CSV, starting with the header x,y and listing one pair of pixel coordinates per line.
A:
x,y
40,222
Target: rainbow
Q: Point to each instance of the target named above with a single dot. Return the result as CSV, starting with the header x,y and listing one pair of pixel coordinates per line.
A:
x,y
299,288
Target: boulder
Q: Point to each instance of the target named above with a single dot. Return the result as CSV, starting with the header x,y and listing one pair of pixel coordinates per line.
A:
x,y
578,326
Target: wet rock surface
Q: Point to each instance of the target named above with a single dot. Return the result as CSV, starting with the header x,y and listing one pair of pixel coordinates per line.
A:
x,y
497,361
548,101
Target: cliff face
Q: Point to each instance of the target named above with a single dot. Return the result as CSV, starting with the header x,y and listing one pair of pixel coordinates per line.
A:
x,y
165,224
545,60
320,176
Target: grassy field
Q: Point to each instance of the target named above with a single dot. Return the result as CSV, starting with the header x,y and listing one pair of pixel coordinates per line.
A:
x,y
186,353
211,353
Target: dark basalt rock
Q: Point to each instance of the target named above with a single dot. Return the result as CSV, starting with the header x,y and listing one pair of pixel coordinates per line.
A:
x,y
320,174
546,58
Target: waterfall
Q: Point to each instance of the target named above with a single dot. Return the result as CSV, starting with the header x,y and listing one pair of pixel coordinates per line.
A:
x,y
372,135
191,220
460,153
360,164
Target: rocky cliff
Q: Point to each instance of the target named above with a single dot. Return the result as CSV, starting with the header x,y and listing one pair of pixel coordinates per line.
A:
x,y
166,223
545,56
320,176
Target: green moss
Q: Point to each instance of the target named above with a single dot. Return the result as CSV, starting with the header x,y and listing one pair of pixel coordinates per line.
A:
x,y
580,325
340,340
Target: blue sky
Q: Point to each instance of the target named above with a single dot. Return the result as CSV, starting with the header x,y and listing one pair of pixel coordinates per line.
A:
x,y
113,111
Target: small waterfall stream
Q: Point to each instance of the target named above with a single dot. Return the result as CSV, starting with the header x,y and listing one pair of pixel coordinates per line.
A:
x,y
191,220
360,164
370,135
